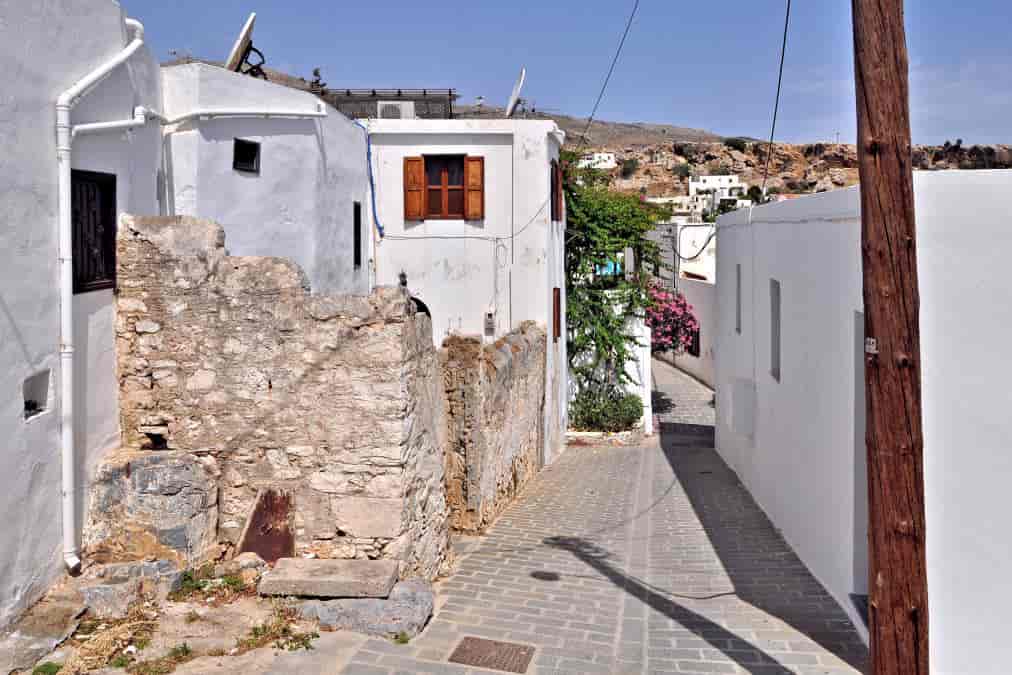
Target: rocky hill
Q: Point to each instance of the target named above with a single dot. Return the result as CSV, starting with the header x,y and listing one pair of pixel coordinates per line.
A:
x,y
663,169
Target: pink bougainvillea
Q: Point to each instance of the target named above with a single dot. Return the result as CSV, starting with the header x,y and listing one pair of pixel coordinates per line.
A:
x,y
672,323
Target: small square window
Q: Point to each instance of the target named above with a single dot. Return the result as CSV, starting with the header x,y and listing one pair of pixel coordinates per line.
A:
x,y
246,156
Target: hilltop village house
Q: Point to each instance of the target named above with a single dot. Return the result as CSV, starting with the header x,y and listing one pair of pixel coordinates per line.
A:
x,y
789,334
140,342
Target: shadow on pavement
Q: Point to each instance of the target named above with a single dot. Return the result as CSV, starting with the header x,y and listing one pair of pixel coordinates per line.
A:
x,y
745,654
764,570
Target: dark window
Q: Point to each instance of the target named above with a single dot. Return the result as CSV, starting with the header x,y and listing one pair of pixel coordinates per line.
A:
x,y
737,299
556,314
246,156
775,329
693,348
93,218
358,234
444,182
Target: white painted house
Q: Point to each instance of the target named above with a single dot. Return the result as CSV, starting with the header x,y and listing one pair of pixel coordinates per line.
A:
x,y
283,173
472,215
602,161
790,388
87,58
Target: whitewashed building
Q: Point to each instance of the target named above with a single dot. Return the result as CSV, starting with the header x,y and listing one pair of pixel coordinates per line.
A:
x,y
80,146
282,172
790,393
472,215
603,161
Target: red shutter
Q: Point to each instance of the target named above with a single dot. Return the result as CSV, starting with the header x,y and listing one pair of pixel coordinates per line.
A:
x,y
414,188
474,188
555,191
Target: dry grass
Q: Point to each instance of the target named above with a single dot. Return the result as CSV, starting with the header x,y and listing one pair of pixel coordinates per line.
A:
x,y
278,630
97,648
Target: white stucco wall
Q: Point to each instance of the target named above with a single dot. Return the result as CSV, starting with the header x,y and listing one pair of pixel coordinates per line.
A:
x,y
300,205
508,263
702,296
800,448
44,49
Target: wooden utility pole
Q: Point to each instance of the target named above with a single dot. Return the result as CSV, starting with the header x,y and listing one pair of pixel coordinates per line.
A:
x,y
898,585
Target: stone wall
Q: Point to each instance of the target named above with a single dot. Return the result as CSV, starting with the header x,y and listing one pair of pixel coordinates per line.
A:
x,y
494,401
334,400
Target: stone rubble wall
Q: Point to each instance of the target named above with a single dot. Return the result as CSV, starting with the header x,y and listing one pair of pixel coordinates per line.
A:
x,y
335,399
494,424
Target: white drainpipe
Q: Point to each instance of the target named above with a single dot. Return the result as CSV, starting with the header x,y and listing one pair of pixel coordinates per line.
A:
x,y
64,138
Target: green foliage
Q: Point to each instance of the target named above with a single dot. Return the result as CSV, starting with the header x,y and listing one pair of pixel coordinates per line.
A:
x,y
605,409
601,225
683,170
47,668
629,167
121,661
755,193
402,638
739,144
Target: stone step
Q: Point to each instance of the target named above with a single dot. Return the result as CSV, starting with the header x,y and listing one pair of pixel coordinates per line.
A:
x,y
314,578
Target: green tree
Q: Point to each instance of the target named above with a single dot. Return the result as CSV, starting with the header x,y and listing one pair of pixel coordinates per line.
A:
x,y
603,290
629,167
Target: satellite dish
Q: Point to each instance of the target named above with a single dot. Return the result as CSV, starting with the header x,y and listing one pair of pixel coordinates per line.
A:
x,y
237,56
515,96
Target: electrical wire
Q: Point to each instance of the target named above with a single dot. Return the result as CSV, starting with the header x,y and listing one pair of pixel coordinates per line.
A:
x,y
776,103
702,250
625,34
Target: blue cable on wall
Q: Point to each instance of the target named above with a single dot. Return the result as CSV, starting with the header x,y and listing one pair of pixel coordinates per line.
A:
x,y
372,182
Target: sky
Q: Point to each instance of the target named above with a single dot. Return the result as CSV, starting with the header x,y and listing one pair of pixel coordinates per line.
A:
x,y
703,65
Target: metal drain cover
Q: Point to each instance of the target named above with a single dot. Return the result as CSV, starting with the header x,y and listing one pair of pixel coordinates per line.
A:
x,y
507,656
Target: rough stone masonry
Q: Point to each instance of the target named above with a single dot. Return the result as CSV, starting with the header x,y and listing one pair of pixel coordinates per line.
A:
x,y
235,379
495,427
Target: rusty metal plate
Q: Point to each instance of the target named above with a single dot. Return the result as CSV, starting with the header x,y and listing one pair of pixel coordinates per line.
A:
x,y
510,657
268,531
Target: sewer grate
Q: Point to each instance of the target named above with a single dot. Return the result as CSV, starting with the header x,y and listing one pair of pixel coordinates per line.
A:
x,y
481,653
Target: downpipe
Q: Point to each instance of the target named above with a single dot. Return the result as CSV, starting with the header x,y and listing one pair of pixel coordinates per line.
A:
x,y
64,144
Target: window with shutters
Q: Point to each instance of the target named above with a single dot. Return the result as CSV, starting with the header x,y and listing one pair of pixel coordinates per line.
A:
x,y
444,187
93,220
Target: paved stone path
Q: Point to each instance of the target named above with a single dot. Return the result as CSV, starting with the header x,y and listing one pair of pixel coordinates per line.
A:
x,y
680,399
635,560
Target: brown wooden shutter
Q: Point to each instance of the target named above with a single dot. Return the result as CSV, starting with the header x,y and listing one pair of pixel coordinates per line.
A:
x,y
556,314
474,188
414,188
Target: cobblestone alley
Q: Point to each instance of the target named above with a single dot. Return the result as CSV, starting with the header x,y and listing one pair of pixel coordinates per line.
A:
x,y
636,560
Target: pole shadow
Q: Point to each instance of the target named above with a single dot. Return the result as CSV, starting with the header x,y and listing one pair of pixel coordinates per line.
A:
x,y
764,570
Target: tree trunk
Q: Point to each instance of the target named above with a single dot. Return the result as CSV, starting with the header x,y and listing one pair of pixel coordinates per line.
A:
x,y
898,604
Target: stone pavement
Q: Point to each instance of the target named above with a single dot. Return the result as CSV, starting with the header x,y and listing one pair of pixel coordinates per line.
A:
x,y
635,560
679,398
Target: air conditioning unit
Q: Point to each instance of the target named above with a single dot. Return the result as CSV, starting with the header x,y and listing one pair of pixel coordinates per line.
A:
x,y
396,110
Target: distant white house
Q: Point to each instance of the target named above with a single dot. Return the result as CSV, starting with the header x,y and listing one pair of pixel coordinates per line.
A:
x,y
790,393
604,161
718,194
473,220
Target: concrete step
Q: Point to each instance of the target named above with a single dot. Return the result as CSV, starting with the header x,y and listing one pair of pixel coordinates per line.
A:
x,y
313,578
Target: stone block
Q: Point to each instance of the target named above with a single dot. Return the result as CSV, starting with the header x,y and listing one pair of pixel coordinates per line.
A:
x,y
407,610
368,516
330,578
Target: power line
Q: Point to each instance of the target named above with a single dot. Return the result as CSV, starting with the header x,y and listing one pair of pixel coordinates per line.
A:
x,y
625,34
776,103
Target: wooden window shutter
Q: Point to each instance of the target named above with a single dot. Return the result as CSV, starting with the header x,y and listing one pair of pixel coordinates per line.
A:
x,y
556,314
474,188
414,188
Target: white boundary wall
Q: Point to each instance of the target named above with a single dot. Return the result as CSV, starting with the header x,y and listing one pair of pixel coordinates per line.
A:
x,y
798,444
702,295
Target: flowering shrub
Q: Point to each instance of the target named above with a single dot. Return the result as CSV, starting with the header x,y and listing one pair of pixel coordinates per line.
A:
x,y
672,323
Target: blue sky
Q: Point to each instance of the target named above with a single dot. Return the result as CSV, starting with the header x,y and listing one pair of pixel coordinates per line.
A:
x,y
706,65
